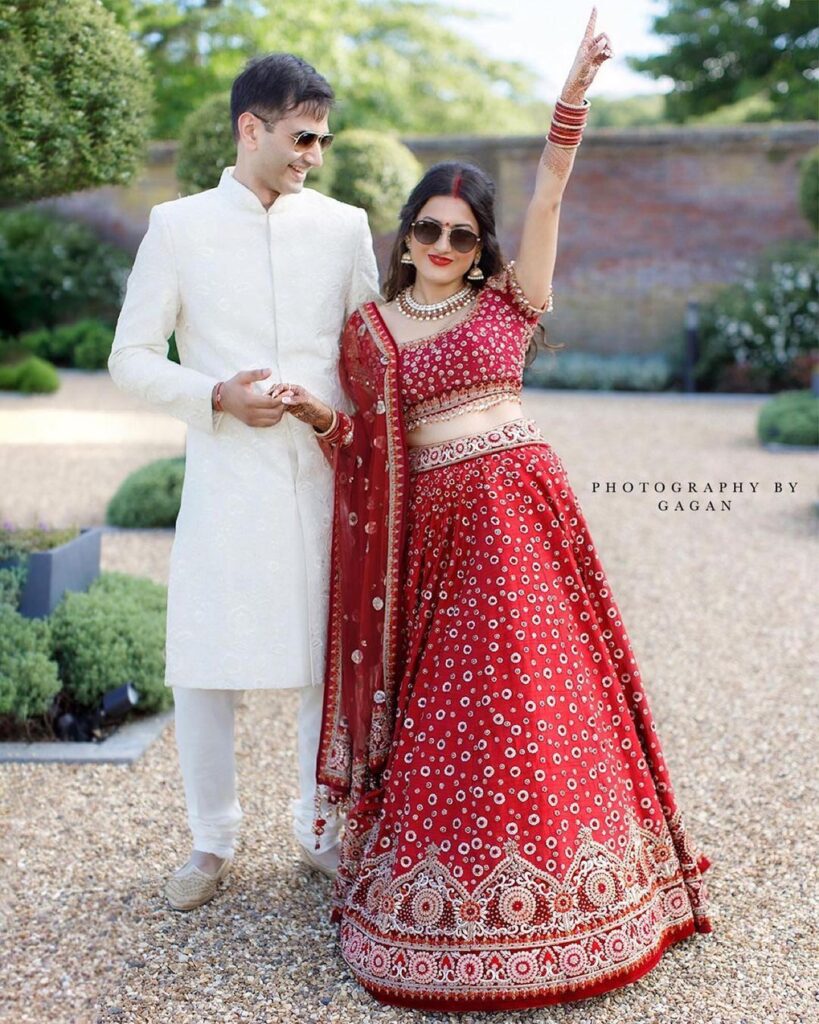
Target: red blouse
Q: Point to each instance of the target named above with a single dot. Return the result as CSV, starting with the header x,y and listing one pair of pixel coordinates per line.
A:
x,y
474,365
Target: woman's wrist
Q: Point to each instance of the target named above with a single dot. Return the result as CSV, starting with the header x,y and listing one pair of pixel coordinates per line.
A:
x,y
327,423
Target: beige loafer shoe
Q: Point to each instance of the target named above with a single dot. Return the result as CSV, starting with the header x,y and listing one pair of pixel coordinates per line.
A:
x,y
326,862
191,887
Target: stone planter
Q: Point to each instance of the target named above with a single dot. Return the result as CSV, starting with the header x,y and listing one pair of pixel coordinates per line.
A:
x,y
71,566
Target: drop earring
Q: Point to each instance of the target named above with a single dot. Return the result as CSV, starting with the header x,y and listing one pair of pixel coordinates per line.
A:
x,y
406,259
475,273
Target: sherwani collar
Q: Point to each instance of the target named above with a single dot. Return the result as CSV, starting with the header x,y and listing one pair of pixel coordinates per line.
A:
x,y
244,198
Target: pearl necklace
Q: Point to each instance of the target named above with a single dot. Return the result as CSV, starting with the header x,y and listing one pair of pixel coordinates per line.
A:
x,y
415,310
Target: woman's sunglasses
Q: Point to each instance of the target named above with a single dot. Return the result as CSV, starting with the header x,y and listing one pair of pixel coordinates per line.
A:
x,y
427,232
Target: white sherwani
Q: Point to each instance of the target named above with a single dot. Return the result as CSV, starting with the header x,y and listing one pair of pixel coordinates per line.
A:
x,y
245,288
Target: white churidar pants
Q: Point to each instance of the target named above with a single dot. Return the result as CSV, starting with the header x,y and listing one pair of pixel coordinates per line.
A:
x,y
204,722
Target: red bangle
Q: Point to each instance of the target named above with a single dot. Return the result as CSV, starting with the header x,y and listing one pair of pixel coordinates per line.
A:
x,y
217,397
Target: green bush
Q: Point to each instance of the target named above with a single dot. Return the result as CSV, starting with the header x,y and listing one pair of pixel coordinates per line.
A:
x,y
30,376
373,171
84,345
12,581
75,99
589,371
28,675
22,540
809,187
792,417
206,145
53,271
150,497
113,634
760,334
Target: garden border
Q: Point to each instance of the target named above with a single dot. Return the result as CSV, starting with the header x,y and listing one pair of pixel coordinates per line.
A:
x,y
125,746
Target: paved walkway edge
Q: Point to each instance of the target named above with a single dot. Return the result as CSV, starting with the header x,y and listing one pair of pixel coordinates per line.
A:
x,y
126,745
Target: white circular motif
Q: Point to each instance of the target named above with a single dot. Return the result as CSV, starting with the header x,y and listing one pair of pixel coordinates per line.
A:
x,y
517,905
422,967
618,945
676,905
600,888
521,968
379,961
469,969
427,906
573,959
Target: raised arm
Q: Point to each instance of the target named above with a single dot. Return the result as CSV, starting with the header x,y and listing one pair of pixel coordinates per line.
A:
x,y
535,262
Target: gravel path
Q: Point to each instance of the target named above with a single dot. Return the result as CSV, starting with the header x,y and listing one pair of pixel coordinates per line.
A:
x,y
720,607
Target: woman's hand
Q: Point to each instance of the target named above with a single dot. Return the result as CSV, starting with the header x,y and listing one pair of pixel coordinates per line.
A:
x,y
593,51
304,406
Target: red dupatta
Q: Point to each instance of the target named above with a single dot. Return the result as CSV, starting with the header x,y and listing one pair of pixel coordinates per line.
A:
x,y
368,454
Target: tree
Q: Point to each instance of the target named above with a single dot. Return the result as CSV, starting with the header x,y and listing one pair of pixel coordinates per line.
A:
x,y
74,99
395,64
727,52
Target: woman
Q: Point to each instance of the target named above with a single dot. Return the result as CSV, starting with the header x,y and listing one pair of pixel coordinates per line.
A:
x,y
512,836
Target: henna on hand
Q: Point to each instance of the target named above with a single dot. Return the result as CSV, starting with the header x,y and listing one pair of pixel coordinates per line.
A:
x,y
593,51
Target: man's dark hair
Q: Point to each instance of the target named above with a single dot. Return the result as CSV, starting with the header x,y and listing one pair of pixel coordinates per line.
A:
x,y
277,83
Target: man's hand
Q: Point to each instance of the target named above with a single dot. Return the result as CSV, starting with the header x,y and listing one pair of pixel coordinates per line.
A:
x,y
241,401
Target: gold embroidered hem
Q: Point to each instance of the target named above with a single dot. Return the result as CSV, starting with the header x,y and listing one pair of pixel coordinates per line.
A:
x,y
445,453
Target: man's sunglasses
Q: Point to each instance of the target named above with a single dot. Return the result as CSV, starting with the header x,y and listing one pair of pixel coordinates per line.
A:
x,y
302,141
427,232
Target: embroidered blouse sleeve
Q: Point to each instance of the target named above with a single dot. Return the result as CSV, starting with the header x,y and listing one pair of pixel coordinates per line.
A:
x,y
506,283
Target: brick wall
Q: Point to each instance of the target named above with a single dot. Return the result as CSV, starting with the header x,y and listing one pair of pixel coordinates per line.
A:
x,y
651,218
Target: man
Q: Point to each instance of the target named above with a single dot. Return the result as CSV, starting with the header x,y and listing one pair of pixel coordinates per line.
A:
x,y
256,278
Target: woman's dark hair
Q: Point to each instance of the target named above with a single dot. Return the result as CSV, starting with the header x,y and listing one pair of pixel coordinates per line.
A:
x,y
475,187
277,83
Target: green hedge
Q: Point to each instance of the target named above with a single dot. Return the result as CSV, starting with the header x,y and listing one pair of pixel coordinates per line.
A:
x,y
206,145
53,271
792,417
590,371
28,675
809,187
29,375
113,634
84,345
149,497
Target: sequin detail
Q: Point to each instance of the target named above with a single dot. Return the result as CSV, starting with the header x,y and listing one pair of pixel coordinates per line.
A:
x,y
508,435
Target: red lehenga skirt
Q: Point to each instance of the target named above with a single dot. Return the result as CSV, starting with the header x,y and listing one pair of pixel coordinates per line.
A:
x,y
528,848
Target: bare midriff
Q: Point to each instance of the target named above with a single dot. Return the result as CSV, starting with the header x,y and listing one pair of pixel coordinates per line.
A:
x,y
465,424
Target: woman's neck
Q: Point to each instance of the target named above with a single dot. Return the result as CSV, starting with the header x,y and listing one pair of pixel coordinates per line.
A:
x,y
428,292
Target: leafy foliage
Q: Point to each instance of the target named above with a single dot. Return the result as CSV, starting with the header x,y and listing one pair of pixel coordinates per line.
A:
x,y
74,99
792,417
719,54
206,145
809,187
590,371
760,333
31,376
150,497
396,65
373,171
28,675
24,540
84,345
113,634
53,270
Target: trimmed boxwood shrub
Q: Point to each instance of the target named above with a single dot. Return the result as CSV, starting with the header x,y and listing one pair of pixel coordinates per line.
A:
x,y
75,99
792,417
12,581
374,171
28,675
149,497
206,145
53,270
30,376
113,634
